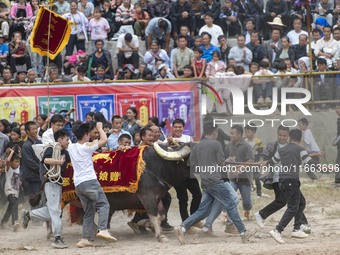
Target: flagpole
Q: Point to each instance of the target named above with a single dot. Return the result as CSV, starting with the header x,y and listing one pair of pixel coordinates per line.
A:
x,y
50,3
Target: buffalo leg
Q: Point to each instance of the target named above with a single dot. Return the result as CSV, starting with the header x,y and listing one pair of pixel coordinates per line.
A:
x,y
109,219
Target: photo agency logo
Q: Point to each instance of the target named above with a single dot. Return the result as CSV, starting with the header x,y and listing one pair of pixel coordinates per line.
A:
x,y
279,103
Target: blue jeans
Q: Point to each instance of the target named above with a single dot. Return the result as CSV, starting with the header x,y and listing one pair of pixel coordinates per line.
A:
x,y
218,192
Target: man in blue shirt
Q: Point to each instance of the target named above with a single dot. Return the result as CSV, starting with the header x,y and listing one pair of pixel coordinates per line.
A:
x,y
207,47
112,143
4,51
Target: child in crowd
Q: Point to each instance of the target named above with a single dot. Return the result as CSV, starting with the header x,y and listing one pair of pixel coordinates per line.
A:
x,y
188,72
198,63
253,67
23,132
15,141
12,186
215,65
136,138
257,146
124,142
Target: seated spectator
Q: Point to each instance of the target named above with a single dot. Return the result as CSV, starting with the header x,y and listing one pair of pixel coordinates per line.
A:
x,y
198,42
184,31
158,29
277,9
125,14
241,53
54,76
4,52
20,77
215,65
6,76
160,9
87,8
181,14
324,84
145,5
276,24
256,47
272,46
196,6
324,9
214,30
286,51
4,19
100,74
213,8
80,76
99,3
230,22
21,12
128,47
294,35
241,10
164,72
232,62
100,57
63,7
182,57
263,86
126,73
224,48
326,47
79,28
139,72
188,72
31,76
148,74
254,10
154,54
250,27
300,49
198,63
141,18
299,10
19,54
98,28
304,65
253,67
108,14
207,47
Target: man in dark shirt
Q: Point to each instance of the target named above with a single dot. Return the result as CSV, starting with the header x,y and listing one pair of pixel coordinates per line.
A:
x,y
291,157
256,47
300,48
30,164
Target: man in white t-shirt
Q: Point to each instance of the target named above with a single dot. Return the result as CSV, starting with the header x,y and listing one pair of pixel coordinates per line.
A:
x,y
88,188
293,35
127,50
211,28
57,123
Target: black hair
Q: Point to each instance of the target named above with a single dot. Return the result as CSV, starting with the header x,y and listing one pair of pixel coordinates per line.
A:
x,y
281,66
208,125
7,125
154,120
189,67
264,64
316,30
251,126
14,125
238,128
28,125
295,135
199,50
61,133
134,110
107,125
57,118
99,40
128,37
304,121
81,69
99,117
16,130
163,24
178,121
182,37
144,129
283,128
91,114
81,130
206,33
218,54
115,117
100,66
122,136
209,14
328,26
221,37
43,116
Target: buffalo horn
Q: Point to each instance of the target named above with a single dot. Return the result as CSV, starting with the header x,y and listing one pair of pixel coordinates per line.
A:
x,y
172,155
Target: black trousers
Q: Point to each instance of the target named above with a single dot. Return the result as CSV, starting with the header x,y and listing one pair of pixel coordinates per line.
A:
x,y
296,203
122,60
12,210
337,174
193,186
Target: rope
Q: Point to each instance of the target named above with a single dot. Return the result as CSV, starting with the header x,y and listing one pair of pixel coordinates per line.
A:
x,y
54,171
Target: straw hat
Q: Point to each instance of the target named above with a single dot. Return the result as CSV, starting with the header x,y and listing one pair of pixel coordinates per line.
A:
x,y
277,22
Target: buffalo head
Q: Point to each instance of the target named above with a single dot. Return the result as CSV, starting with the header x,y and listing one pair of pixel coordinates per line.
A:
x,y
172,155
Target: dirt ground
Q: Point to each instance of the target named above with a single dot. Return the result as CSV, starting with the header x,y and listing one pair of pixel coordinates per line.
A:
x,y
323,213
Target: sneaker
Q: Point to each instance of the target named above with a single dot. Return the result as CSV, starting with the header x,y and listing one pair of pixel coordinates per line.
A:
x,y
277,236
305,228
180,235
259,220
134,227
16,226
25,218
246,214
267,100
104,234
166,226
299,234
260,100
248,234
84,243
231,229
59,243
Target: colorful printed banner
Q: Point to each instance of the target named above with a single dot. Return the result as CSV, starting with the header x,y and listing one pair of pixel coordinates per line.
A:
x,y
53,105
51,33
95,103
16,109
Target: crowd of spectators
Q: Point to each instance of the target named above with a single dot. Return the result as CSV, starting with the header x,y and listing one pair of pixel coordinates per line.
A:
x,y
183,39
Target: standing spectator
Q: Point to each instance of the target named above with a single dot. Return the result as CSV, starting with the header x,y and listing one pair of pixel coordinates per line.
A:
x,y
155,54
108,14
125,14
214,30
87,186
294,35
207,47
128,47
100,57
4,139
160,9
241,54
117,131
63,7
215,65
21,12
99,28
131,125
87,8
254,10
256,47
30,164
158,29
141,18
181,14
224,48
57,123
272,46
79,27
182,56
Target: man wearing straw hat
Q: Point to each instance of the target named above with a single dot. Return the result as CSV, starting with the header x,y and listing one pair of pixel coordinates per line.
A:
x,y
272,46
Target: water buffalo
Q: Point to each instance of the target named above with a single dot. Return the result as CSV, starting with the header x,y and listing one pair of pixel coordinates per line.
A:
x,y
163,170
